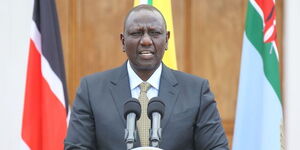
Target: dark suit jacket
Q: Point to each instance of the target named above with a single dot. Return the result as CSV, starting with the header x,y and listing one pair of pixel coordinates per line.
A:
x,y
191,120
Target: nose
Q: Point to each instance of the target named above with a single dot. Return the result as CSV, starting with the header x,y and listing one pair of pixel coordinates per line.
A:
x,y
146,40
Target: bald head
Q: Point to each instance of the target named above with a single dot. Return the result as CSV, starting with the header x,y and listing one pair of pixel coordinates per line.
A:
x,y
144,7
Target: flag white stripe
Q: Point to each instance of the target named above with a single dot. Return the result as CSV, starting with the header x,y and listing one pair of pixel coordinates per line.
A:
x,y
276,50
53,81
269,32
47,72
36,36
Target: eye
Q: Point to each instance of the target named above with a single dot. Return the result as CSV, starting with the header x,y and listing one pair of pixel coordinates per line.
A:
x,y
138,33
155,33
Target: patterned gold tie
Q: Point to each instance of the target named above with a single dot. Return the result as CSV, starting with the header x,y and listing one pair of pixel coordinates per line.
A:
x,y
144,123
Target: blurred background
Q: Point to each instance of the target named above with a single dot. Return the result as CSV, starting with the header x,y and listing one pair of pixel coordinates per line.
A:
x,y
208,39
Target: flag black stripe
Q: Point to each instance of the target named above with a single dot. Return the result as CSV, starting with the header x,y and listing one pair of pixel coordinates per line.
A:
x,y
46,19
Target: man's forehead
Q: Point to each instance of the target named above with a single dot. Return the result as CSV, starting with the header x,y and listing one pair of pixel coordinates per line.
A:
x,y
147,12
139,26
154,15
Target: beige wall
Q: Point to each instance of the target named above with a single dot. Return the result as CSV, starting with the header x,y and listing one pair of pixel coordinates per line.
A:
x,y
208,37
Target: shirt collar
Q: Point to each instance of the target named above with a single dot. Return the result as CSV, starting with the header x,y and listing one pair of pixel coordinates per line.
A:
x,y
135,80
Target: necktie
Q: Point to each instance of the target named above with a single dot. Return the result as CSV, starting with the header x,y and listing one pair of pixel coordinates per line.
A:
x,y
144,123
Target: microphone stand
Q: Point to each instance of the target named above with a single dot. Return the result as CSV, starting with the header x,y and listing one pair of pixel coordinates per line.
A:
x,y
155,131
130,132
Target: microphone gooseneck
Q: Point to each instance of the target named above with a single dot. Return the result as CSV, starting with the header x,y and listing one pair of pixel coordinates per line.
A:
x,y
132,113
155,112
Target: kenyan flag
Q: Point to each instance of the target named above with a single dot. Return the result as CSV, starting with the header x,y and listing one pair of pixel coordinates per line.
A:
x,y
259,109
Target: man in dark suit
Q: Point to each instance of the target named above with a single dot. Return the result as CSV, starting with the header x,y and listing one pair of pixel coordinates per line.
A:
x,y
191,120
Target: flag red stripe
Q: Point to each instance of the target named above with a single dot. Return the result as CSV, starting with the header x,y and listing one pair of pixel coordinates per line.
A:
x,y
54,122
31,116
44,117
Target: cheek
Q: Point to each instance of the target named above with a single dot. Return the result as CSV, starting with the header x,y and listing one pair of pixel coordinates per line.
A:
x,y
131,44
130,53
160,46
161,53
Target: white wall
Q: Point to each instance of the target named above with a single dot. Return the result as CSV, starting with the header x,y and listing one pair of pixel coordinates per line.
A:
x,y
292,72
15,18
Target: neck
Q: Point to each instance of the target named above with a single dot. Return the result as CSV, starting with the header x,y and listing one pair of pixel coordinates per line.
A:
x,y
144,74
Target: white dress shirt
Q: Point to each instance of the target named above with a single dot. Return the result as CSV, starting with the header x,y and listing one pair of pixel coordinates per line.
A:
x,y
135,81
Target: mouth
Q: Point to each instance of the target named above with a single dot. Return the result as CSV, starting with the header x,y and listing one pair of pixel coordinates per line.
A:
x,y
146,54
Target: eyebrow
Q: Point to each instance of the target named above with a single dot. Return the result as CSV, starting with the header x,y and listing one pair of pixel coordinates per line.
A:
x,y
138,27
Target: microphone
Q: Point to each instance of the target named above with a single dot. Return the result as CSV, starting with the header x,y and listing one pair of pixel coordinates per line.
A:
x,y
155,112
132,113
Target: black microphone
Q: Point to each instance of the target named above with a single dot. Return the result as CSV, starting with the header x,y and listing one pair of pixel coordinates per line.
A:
x,y
132,113
155,111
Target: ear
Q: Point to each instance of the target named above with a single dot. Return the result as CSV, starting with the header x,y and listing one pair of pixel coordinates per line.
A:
x,y
167,39
122,39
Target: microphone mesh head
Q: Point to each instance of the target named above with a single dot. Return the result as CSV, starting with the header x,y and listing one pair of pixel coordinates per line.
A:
x,y
155,105
132,106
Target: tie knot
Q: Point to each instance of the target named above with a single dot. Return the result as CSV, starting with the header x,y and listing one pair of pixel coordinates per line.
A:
x,y
144,86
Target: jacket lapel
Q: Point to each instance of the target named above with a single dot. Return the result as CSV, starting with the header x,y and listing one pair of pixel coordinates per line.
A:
x,y
120,90
168,92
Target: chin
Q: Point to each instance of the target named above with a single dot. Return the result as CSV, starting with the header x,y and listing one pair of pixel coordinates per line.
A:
x,y
145,65
148,67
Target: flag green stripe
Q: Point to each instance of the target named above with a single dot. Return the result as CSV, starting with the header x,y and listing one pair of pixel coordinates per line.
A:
x,y
149,2
254,32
